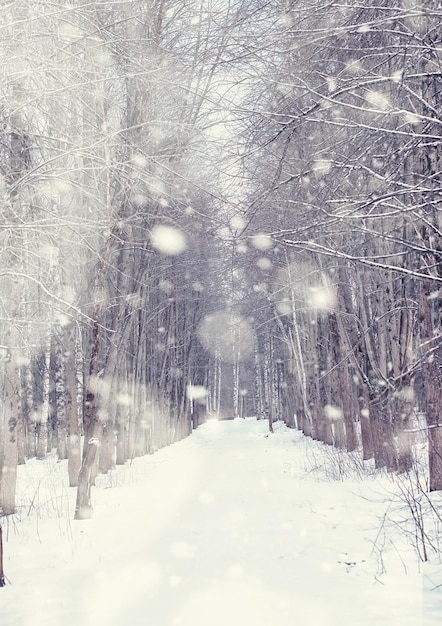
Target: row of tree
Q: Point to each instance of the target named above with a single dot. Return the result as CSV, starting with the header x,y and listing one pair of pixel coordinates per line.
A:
x,y
230,207
107,228
345,166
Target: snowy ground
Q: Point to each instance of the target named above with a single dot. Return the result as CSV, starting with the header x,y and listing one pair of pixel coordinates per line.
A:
x,y
229,527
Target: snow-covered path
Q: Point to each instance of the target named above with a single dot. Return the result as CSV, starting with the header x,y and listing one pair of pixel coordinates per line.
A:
x,y
224,528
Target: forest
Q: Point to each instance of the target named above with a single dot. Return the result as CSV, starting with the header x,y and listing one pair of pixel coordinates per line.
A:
x,y
218,207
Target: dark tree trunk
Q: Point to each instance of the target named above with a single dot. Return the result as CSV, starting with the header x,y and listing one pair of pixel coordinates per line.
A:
x,y
366,426
383,439
72,417
430,310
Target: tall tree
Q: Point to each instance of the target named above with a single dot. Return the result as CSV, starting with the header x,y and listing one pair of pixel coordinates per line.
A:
x,y
351,146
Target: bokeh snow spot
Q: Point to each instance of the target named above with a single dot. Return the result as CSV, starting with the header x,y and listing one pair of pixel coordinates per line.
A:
x,y
261,241
139,199
405,395
333,413
411,118
61,319
124,399
284,307
237,223
264,263
322,297
51,254
100,386
241,248
139,160
166,286
378,100
227,335
260,288
321,167
196,392
168,239
331,83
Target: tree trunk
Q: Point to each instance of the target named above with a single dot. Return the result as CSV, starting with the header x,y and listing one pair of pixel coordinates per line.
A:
x,y
43,412
402,409
8,476
83,506
106,450
366,425
60,425
71,408
383,439
122,423
92,430
2,571
430,310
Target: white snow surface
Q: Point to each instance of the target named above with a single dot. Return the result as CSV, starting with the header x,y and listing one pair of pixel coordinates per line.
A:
x,y
227,527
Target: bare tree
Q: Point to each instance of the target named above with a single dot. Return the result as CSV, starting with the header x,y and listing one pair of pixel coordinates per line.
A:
x,y
351,142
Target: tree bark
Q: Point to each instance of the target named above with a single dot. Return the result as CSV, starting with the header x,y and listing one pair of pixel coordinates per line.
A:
x,y
83,506
71,408
430,308
8,475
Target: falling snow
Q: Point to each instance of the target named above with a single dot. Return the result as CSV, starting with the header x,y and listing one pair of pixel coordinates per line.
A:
x,y
261,241
168,239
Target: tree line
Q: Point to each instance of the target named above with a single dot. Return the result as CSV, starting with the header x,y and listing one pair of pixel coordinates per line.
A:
x,y
108,230
208,208
346,155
